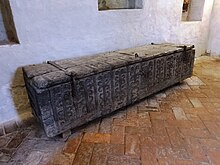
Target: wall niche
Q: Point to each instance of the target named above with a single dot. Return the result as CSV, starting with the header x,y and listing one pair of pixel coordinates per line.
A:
x,y
192,10
119,4
8,34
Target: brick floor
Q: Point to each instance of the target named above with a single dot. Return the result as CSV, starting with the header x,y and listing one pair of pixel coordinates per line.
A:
x,y
180,125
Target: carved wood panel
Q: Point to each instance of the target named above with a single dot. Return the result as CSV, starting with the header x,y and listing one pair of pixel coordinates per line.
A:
x,y
73,103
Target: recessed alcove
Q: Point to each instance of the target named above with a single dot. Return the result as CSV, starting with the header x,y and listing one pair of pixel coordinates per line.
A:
x,y
192,10
8,33
122,4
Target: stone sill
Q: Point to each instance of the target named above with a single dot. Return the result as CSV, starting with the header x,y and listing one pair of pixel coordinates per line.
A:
x,y
8,43
183,21
120,9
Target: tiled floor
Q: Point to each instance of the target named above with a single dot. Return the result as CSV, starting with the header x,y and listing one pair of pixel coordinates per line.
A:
x,y
180,125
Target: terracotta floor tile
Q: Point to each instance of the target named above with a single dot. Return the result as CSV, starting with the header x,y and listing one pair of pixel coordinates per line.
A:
x,y
143,131
155,141
132,145
105,125
164,152
72,145
84,154
184,162
96,138
148,156
122,160
99,155
210,143
214,156
197,150
196,132
213,128
118,135
177,141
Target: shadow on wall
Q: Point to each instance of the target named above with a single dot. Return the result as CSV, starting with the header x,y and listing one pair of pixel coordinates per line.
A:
x,y
20,97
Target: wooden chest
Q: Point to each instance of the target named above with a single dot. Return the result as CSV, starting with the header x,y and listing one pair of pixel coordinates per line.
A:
x,y
68,93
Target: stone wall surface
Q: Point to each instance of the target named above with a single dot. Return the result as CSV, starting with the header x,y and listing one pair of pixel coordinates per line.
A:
x,y
52,30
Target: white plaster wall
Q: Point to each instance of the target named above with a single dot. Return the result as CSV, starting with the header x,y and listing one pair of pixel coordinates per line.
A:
x,y
169,28
49,30
214,37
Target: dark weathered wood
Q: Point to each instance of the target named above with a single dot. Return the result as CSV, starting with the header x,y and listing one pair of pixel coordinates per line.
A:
x,y
67,93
